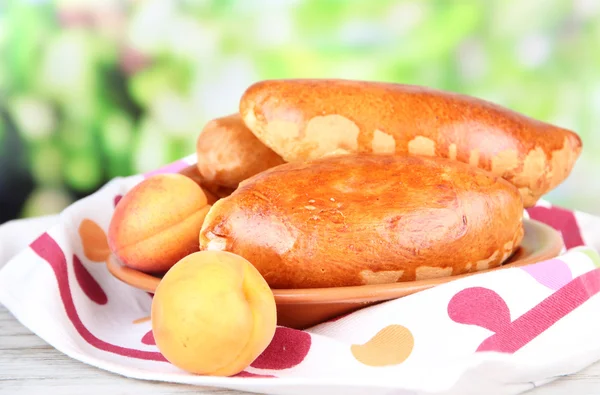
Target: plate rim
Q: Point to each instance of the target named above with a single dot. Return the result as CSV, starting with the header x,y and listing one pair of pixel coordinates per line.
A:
x,y
360,293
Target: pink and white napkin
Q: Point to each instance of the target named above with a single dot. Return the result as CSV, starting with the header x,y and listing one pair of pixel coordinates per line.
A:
x,y
501,332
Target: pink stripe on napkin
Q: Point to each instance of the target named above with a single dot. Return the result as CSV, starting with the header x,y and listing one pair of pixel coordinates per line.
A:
x,y
170,168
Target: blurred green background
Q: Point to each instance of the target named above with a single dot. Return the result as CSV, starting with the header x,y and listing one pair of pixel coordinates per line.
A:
x,y
91,90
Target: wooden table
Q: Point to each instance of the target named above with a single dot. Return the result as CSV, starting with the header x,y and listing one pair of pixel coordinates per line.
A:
x,y
30,366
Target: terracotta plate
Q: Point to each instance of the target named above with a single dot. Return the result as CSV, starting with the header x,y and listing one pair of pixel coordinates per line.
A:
x,y
302,308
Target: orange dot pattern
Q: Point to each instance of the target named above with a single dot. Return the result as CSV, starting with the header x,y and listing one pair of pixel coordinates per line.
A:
x,y
94,241
390,346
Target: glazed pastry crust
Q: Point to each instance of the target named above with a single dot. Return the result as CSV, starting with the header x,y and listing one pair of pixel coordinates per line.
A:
x,y
367,219
228,152
311,118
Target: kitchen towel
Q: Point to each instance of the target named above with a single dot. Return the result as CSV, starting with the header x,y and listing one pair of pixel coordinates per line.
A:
x,y
500,332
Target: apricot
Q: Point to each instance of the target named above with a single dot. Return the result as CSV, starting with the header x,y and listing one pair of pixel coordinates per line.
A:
x,y
157,222
213,314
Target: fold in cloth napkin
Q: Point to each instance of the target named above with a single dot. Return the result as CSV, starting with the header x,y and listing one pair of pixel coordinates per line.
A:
x,y
501,332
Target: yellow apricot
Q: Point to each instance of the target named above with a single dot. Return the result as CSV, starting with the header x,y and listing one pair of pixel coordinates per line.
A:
x,y
157,222
213,314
